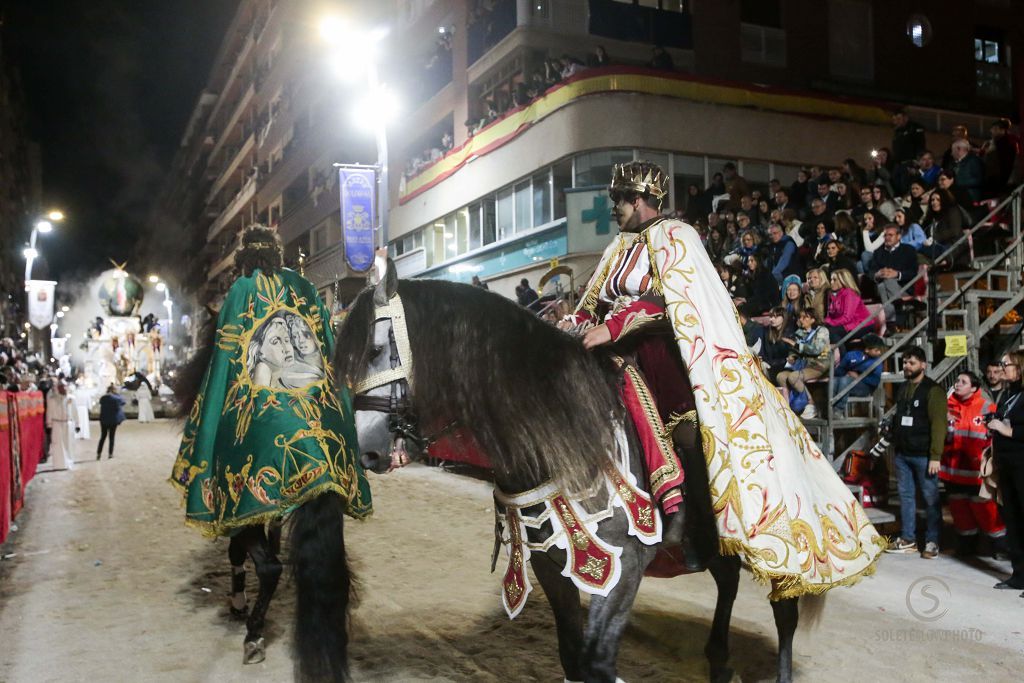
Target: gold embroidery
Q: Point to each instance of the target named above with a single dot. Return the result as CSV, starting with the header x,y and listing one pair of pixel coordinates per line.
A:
x,y
646,518
513,590
580,540
594,567
625,494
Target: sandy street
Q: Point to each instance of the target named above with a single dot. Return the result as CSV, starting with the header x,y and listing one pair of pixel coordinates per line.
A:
x,y
106,584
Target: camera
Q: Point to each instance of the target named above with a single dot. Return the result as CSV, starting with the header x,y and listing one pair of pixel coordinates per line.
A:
x,y
884,439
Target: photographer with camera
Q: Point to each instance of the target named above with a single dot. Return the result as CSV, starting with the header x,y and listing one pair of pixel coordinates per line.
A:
x,y
918,434
1008,456
969,412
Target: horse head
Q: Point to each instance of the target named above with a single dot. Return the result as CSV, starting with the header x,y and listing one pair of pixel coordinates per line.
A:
x,y
384,425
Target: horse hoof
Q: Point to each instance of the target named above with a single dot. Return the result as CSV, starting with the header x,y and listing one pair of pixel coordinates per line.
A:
x,y
239,613
255,651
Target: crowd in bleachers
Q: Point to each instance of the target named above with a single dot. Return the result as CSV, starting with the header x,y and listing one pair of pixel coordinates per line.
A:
x,y
807,263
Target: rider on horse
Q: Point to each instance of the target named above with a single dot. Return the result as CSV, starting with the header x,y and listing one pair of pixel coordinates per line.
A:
x,y
267,431
624,306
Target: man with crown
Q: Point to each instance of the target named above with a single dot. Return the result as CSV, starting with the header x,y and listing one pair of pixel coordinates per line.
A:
x,y
691,382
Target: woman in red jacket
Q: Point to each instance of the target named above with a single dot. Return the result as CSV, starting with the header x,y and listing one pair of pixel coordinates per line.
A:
x,y
961,464
846,309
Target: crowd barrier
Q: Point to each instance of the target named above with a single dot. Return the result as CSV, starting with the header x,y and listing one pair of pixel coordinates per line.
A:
x,y
21,448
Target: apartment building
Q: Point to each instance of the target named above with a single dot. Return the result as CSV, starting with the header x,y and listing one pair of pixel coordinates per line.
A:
x,y
259,147
20,185
771,85
491,176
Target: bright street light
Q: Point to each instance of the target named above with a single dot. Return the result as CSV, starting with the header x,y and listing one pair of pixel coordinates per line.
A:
x,y
376,108
55,215
65,309
44,226
160,287
353,55
154,278
30,253
60,314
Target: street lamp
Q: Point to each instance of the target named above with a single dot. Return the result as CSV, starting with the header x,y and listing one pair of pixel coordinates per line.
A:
x,y
168,304
354,55
43,225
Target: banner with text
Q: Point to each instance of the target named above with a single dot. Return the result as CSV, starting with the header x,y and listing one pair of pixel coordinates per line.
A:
x,y
40,302
358,185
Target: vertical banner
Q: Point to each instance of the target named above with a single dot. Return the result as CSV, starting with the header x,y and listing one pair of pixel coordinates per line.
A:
x,y
358,185
40,302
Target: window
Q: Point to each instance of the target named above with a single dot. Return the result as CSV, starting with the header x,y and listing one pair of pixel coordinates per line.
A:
x,y
542,198
524,206
851,49
475,231
506,217
595,168
686,170
677,6
561,179
993,76
757,174
762,45
489,220
462,230
919,30
318,240
761,12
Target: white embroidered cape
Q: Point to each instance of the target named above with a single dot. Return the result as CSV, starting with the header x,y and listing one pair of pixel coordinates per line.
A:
x,y
778,502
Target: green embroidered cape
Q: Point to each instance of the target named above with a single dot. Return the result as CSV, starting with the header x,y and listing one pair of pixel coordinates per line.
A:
x,y
269,430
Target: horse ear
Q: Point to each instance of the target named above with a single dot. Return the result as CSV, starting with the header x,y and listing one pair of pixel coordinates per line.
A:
x,y
388,284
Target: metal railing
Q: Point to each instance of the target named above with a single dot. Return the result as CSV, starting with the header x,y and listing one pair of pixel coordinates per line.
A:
x,y
1013,254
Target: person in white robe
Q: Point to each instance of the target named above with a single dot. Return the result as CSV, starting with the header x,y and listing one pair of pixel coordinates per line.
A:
x,y
60,418
145,398
83,401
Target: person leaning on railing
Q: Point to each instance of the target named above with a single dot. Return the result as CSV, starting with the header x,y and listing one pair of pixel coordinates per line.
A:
x,y
1008,456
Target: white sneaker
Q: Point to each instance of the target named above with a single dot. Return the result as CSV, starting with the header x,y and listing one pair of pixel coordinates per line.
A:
x,y
809,412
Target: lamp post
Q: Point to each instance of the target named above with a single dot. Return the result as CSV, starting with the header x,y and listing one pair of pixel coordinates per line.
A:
x,y
161,287
42,225
353,51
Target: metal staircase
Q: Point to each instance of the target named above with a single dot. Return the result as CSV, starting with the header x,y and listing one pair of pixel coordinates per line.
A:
x,y
971,303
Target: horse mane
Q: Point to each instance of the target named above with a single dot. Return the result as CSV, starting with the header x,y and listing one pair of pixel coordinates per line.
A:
x,y
539,405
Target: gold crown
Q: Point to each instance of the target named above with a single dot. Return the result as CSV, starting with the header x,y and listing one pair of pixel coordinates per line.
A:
x,y
641,177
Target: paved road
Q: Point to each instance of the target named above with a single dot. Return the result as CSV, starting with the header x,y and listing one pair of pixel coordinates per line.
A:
x,y
106,584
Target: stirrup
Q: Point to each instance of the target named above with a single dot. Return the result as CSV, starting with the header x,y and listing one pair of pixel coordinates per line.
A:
x,y
255,651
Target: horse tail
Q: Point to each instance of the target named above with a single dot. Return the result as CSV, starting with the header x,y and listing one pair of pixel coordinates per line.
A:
x,y
812,608
323,585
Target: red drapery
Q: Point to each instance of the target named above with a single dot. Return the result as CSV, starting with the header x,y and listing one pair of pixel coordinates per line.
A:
x,y
6,512
21,448
33,436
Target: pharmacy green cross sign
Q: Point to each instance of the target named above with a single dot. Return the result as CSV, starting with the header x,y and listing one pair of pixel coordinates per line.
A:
x,y
599,213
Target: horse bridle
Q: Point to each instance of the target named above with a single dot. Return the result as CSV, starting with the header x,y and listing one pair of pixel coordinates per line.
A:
x,y
402,421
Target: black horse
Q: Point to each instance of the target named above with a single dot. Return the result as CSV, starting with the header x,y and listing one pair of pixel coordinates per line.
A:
x,y
323,579
543,409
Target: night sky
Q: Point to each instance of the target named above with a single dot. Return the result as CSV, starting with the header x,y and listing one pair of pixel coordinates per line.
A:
x,y
109,87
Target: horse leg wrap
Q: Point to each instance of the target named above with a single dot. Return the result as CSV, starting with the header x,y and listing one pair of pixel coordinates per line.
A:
x,y
238,598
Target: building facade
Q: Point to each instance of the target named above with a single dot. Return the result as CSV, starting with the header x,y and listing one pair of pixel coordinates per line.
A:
x,y
755,83
496,173
20,185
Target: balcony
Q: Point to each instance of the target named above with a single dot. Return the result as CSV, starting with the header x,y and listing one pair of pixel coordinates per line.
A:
x,y
640,80
299,154
638,24
227,259
231,167
328,266
487,31
309,213
244,195
236,113
243,53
